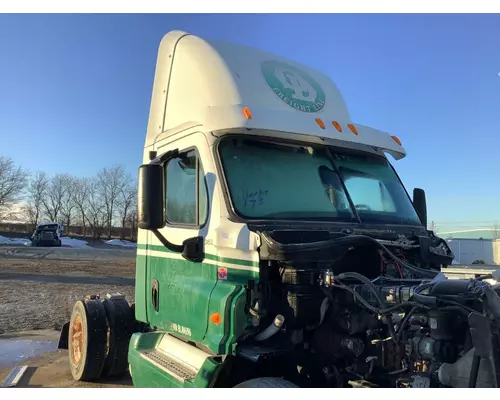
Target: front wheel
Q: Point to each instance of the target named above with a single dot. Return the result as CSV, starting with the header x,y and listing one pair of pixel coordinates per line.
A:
x,y
87,340
266,383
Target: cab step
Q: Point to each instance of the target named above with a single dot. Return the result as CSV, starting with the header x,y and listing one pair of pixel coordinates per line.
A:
x,y
170,365
175,357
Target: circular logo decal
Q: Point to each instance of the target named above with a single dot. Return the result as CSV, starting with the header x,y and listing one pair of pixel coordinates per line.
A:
x,y
293,86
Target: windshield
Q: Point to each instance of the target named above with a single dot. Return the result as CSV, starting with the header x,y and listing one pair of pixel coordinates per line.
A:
x,y
51,227
282,181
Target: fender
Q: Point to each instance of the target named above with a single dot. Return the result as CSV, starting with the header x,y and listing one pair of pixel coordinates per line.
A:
x,y
63,337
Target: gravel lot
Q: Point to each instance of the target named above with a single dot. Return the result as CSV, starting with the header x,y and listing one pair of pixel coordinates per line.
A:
x,y
51,370
38,287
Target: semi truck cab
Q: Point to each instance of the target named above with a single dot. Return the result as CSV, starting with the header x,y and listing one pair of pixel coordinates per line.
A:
x,y
277,245
47,234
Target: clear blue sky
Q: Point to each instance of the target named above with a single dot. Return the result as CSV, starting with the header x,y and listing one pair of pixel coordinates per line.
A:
x,y
75,89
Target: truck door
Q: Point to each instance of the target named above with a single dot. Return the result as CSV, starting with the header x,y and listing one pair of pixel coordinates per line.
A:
x,y
179,291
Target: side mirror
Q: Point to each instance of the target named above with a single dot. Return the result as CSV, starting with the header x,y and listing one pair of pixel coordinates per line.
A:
x,y
420,204
151,197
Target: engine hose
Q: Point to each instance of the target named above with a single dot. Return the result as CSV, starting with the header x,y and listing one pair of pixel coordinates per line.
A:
x,y
358,297
329,295
322,312
405,322
400,306
371,308
390,326
370,370
373,289
365,280
430,301
399,371
452,303
272,329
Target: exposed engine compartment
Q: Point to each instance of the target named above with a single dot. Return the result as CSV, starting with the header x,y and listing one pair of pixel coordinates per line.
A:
x,y
350,312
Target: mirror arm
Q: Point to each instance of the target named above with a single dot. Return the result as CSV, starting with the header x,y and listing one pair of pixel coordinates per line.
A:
x,y
165,157
169,245
191,249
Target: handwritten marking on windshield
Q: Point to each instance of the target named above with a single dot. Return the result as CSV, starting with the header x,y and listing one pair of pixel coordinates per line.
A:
x,y
253,198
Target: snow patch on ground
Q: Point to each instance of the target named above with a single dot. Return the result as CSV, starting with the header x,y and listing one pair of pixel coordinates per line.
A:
x,y
122,243
68,242
14,241
75,243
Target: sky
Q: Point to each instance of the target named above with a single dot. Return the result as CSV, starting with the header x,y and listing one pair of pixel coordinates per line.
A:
x,y
75,90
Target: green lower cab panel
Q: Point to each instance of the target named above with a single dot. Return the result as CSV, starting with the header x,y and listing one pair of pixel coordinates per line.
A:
x,y
159,360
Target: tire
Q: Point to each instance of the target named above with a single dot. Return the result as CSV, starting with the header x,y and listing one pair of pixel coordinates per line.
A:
x,y
87,340
121,324
266,383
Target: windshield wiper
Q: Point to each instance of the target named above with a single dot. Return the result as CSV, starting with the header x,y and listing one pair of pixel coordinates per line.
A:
x,y
348,195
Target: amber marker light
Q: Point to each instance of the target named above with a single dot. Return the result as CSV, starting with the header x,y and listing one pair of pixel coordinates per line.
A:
x,y
396,139
320,123
353,129
247,113
337,126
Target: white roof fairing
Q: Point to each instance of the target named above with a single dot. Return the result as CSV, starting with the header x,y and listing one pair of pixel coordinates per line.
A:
x,y
208,83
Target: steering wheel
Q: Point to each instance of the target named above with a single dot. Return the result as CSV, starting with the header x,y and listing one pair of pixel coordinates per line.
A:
x,y
362,207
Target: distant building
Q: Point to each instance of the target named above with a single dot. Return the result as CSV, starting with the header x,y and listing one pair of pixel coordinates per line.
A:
x,y
468,250
482,233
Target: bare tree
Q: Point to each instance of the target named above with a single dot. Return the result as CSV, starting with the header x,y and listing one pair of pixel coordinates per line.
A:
x,y
81,200
12,184
68,204
126,204
111,184
132,223
54,197
37,189
95,206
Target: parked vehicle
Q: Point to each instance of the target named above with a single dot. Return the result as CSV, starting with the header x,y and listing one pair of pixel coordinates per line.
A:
x,y
47,234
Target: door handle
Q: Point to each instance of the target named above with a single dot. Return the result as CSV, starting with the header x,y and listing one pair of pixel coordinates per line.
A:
x,y
155,298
